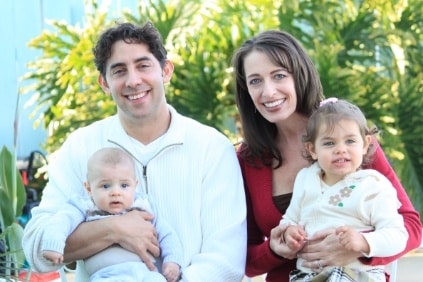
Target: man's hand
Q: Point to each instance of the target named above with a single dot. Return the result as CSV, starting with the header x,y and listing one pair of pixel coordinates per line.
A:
x,y
136,233
132,231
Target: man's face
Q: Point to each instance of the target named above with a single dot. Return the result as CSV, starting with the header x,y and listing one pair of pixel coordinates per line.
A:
x,y
136,80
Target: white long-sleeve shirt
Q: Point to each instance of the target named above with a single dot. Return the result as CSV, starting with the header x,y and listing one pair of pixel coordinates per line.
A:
x,y
364,200
194,178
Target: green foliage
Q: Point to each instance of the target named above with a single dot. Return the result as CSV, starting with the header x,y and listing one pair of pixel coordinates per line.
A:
x,y
12,191
66,88
12,200
366,51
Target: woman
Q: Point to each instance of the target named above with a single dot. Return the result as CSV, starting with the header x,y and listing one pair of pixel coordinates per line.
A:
x,y
277,89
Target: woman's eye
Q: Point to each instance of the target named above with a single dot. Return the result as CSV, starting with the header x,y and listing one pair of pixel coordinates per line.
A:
x,y
280,76
254,81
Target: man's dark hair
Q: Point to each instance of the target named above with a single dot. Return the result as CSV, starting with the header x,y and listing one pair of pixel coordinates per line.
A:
x,y
130,33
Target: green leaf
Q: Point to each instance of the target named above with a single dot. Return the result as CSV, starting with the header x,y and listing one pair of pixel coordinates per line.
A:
x,y
12,190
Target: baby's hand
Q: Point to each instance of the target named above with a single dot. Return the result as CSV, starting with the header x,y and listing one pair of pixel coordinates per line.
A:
x,y
352,240
171,271
295,237
55,257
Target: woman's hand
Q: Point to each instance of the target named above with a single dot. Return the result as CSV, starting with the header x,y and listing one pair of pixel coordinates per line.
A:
x,y
277,244
324,249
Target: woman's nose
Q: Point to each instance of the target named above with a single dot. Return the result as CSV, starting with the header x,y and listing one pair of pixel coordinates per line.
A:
x,y
269,89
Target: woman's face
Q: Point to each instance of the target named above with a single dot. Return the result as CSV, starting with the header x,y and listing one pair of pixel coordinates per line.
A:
x,y
270,86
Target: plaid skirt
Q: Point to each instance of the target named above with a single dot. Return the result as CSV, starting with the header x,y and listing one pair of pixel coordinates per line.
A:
x,y
339,274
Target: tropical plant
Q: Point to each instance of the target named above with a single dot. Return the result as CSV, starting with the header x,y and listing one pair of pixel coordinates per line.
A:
x,y
12,200
366,51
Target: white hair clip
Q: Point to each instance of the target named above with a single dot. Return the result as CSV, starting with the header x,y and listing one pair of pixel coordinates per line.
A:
x,y
328,101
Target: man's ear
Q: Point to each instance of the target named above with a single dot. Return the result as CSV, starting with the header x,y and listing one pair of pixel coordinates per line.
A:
x,y
103,84
167,71
311,150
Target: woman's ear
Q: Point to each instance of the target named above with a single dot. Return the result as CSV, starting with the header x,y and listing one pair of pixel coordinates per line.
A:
x,y
311,150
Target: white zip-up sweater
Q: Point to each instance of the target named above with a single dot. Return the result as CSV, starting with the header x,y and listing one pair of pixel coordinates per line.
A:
x,y
195,180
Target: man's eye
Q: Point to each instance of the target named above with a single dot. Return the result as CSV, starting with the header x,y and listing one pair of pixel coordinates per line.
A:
x,y
117,71
144,66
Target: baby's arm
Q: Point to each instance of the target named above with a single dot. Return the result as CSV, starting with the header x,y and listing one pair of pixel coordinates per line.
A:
x,y
171,271
54,257
295,237
59,227
352,240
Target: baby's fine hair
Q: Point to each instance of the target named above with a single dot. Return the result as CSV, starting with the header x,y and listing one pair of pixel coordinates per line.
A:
x,y
330,112
108,156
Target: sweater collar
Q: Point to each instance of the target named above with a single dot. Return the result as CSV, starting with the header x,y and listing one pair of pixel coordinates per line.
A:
x,y
174,135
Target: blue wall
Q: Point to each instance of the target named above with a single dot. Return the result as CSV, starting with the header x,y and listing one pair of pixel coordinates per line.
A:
x,y
23,20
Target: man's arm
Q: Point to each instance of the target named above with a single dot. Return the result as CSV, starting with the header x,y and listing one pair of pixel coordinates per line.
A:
x,y
132,231
223,221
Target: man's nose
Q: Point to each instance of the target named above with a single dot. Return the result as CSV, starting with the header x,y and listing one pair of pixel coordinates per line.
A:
x,y
134,78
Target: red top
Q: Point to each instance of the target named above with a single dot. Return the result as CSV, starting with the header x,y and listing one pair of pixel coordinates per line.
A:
x,y
262,216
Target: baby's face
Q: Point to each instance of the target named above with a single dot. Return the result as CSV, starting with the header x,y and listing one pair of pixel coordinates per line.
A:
x,y
114,188
340,151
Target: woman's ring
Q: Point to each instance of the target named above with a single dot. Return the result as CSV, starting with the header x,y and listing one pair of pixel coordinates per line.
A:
x,y
319,263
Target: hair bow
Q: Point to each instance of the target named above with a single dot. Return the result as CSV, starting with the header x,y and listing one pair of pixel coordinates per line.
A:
x,y
328,101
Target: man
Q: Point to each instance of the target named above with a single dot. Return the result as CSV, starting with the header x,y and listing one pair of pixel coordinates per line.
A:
x,y
189,169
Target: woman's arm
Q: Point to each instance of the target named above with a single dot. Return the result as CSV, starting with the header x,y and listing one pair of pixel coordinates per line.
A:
x,y
260,257
411,216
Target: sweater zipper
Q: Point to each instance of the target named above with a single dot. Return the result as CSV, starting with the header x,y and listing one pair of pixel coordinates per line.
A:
x,y
144,167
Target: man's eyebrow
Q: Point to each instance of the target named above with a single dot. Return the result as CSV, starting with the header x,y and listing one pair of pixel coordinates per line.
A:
x,y
140,59
116,65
